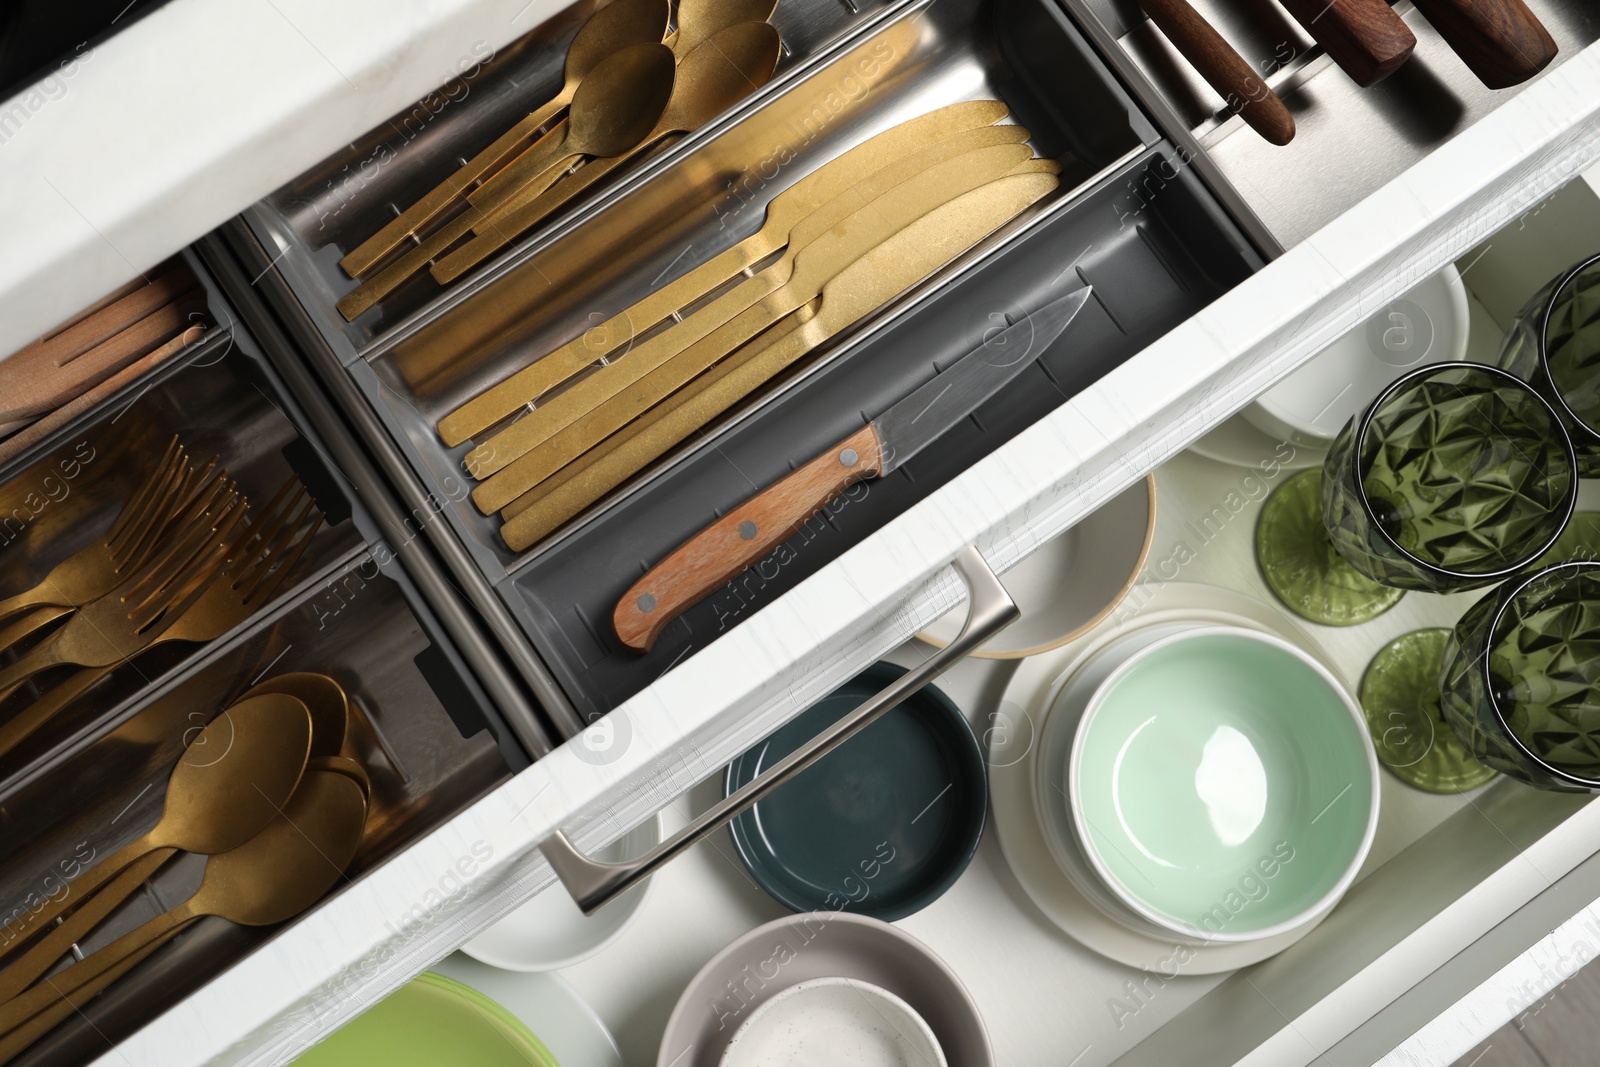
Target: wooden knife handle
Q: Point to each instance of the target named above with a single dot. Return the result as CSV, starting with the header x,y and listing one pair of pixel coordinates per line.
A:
x,y
740,538
1365,37
1244,90
1500,41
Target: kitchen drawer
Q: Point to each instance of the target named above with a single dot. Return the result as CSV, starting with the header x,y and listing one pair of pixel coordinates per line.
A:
x,y
1149,391
423,722
1152,264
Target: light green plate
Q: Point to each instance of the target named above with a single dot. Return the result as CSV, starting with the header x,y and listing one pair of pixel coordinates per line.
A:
x,y
432,1021
1223,785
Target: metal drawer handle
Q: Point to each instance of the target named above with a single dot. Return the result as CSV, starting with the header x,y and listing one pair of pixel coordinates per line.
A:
x,y
594,884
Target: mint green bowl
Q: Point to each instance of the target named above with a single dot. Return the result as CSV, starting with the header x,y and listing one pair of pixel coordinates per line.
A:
x,y
1223,785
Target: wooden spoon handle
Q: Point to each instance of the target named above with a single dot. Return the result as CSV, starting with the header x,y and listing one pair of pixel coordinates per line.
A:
x,y
368,253
58,1010
1224,69
92,909
740,538
1365,37
1500,41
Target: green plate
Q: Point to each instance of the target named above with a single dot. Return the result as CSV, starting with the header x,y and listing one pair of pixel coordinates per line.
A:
x,y
432,1021
883,824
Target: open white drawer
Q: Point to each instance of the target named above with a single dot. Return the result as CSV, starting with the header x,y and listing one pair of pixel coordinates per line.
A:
x,y
1477,888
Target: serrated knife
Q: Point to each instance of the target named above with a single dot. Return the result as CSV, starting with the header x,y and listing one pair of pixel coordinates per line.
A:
x,y
746,534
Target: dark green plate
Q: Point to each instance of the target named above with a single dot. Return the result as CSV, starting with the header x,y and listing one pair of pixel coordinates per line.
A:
x,y
882,825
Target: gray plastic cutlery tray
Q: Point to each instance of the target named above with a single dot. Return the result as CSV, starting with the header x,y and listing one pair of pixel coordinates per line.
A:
x,y
1130,218
94,779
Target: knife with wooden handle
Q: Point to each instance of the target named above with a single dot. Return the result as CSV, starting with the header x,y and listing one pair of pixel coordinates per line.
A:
x,y
746,534
1500,41
1365,37
1224,69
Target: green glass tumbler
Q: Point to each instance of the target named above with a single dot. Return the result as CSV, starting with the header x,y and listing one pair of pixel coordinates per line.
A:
x,y
1457,476
1554,345
1520,684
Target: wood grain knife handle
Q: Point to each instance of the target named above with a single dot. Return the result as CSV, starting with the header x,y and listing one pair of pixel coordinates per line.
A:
x,y
1224,69
1500,41
1365,37
740,538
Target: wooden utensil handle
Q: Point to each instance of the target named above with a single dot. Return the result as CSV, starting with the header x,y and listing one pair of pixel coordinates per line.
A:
x,y
1500,41
1240,86
57,1010
740,538
91,910
1365,37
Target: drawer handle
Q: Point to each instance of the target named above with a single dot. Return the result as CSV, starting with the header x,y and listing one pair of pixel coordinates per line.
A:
x,y
594,884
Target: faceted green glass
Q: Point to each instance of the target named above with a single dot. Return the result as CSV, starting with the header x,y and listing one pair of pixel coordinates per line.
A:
x,y
1454,477
1300,566
1521,678
1400,698
1555,346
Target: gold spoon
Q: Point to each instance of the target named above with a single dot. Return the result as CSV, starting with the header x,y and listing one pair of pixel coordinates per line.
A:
x,y
699,19
724,69
786,210
860,289
613,108
271,878
230,782
611,29
531,450
323,697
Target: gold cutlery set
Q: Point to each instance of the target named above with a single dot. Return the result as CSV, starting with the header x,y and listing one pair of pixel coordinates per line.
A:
x,y
854,234
105,347
630,84
183,561
263,791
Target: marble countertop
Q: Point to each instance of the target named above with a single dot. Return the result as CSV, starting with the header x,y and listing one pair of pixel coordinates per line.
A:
x,y
131,149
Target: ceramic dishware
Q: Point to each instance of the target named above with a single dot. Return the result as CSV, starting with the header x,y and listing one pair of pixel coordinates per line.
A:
x,y
1222,785
549,932
432,1020
1310,406
881,826
1070,584
842,1022
566,1024
831,944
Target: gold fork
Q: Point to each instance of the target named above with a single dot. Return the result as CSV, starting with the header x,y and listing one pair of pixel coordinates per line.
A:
x,y
214,496
259,558
96,569
106,631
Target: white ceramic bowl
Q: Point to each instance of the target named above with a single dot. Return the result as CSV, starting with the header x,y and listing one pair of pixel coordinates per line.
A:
x,y
1310,406
1071,583
840,1022
1222,784
549,932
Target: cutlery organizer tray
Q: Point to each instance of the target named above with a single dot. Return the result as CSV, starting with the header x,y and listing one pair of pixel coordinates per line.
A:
x,y
1129,217
336,205
417,724
93,778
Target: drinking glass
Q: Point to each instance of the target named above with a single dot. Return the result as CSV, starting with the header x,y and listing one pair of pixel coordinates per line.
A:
x,y
1554,345
1521,678
1457,476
